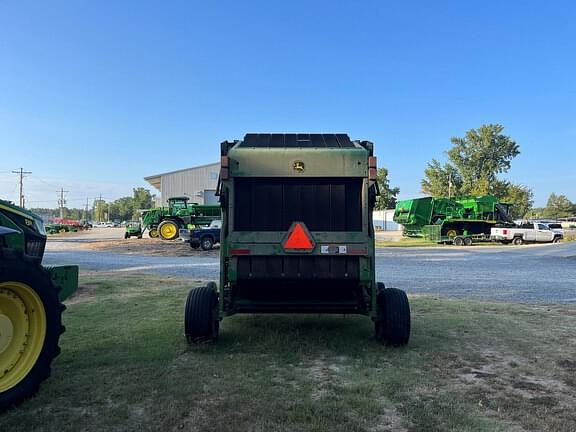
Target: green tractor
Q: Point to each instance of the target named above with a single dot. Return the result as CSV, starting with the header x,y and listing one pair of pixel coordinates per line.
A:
x,y
297,236
31,306
165,222
133,229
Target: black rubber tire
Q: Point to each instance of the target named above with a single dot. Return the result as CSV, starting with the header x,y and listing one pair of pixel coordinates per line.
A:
x,y
201,322
556,240
393,326
126,236
168,222
153,233
36,278
458,241
517,241
468,241
139,236
194,245
206,243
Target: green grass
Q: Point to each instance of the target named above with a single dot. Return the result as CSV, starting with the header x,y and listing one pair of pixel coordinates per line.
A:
x,y
470,366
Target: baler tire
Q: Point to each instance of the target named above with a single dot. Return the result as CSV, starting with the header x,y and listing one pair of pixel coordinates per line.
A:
x,y
468,241
458,241
393,327
171,227
517,241
206,243
201,323
34,288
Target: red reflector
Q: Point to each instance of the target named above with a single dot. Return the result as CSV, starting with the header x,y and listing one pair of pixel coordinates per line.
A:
x,y
372,162
298,238
224,161
372,174
505,232
240,251
357,252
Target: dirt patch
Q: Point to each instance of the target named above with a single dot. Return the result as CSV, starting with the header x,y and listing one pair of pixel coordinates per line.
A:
x,y
86,292
149,247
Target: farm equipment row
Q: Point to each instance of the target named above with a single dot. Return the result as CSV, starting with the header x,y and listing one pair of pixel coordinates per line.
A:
x,y
461,220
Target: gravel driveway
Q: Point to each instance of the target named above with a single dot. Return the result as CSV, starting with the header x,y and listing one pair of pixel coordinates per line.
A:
x,y
536,273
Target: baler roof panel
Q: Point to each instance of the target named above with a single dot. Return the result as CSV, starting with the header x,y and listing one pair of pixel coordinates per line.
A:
x,y
301,140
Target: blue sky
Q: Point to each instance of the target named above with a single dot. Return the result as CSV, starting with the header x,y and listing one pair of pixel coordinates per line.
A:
x,y
95,95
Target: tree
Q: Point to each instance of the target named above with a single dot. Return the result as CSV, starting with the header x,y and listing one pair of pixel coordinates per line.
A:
x,y
387,198
441,180
473,165
558,206
143,199
480,156
521,198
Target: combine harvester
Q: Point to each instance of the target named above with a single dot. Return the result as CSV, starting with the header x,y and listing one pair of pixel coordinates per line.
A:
x,y
460,221
167,221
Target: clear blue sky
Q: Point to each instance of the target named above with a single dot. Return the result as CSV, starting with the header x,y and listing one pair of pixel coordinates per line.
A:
x,y
95,95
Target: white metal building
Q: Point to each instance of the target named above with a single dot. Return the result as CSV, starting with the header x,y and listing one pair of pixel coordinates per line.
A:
x,y
198,183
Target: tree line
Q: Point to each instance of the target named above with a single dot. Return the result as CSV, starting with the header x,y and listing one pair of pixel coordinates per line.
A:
x,y
473,165
125,208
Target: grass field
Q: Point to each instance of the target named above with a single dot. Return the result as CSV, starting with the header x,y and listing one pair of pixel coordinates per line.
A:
x,y
470,366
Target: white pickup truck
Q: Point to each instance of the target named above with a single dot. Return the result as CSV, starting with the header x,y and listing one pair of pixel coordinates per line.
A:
x,y
530,232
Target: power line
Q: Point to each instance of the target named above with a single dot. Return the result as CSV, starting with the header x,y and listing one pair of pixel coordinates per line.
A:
x,y
21,173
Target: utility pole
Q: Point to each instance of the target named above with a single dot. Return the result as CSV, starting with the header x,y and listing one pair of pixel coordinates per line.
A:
x,y
86,213
61,202
21,173
100,208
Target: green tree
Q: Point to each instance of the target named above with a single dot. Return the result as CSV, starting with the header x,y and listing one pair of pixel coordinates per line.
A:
x,y
387,198
473,165
441,180
143,199
99,210
521,198
558,206
480,156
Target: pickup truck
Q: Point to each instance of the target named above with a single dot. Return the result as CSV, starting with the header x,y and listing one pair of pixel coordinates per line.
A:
x,y
530,232
205,237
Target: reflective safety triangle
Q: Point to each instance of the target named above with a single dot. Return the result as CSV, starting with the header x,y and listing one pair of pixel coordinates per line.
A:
x,y
298,238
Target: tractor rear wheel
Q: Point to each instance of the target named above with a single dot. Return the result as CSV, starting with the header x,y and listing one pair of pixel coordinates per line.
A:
x,y
30,328
393,324
168,230
201,321
153,233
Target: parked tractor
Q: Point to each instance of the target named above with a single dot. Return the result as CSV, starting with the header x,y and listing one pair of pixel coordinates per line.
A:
x,y
30,305
297,236
165,222
460,220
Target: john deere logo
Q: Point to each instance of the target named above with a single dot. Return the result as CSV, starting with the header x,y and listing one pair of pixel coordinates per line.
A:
x,y
298,166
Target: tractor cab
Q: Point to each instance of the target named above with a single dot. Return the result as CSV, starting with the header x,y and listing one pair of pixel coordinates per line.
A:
x,y
175,204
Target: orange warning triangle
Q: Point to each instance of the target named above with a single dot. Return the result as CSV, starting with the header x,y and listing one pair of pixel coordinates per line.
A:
x,y
298,239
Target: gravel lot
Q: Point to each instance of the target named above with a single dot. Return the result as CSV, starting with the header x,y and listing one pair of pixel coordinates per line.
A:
x,y
535,273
